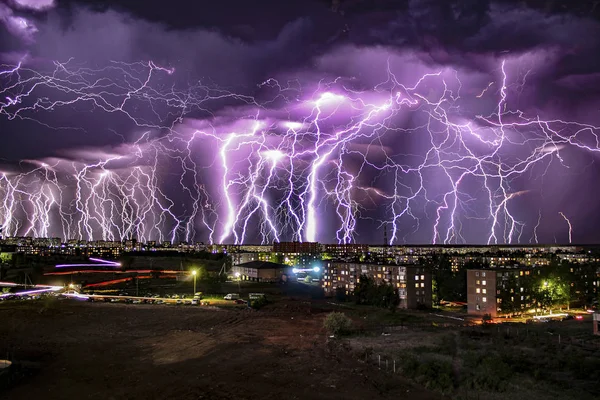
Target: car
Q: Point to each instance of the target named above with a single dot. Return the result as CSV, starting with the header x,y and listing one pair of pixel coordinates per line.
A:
x,y
179,302
240,301
195,302
137,301
159,302
231,296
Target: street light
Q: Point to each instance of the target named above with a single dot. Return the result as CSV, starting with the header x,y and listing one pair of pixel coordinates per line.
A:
x,y
237,275
194,273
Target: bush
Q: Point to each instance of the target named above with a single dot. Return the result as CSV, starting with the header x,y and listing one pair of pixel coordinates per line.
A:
x,y
337,323
433,374
487,372
258,303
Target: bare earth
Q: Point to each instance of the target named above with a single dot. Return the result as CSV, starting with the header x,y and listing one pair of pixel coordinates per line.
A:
x,y
117,351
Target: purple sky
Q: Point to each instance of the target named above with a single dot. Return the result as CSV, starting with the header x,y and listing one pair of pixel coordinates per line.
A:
x,y
553,73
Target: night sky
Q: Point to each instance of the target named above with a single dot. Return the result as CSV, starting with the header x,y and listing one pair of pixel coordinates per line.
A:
x,y
496,144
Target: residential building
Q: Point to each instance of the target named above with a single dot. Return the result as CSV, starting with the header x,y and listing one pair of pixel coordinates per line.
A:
x,y
412,282
345,249
243,258
500,291
299,254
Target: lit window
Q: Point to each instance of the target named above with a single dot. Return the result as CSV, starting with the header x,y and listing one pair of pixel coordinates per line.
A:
x,y
422,277
483,283
422,284
484,299
416,277
521,290
477,290
417,284
484,291
483,274
478,282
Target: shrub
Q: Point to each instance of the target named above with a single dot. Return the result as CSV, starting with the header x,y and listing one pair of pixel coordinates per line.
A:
x,y
258,303
337,323
486,372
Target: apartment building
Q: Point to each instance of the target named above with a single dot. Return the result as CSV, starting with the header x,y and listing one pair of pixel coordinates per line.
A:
x,y
500,291
412,282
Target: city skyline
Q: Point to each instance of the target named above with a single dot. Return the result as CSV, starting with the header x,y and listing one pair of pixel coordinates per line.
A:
x,y
443,142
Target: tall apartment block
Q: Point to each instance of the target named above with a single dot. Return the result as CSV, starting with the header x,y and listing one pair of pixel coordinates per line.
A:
x,y
412,282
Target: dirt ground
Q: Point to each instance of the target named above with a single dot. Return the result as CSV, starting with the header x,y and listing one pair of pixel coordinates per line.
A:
x,y
118,351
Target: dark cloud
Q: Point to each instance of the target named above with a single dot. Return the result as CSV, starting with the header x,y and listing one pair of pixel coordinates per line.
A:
x,y
551,55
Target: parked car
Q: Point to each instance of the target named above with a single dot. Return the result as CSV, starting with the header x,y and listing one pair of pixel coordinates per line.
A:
x,y
231,296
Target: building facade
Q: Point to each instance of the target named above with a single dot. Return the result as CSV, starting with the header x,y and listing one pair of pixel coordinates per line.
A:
x,y
260,271
412,282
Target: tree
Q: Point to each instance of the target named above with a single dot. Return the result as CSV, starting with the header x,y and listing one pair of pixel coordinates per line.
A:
x,y
448,284
340,294
367,292
337,323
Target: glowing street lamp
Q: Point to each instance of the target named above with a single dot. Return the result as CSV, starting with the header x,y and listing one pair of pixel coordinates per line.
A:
x,y
238,276
194,273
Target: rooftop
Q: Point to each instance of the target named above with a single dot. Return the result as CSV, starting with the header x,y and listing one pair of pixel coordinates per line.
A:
x,y
261,265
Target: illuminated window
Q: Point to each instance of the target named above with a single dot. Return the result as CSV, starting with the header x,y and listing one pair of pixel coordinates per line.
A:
x,y
483,283
477,290
422,284
422,277
416,277
478,282
483,274
484,299
417,285
484,291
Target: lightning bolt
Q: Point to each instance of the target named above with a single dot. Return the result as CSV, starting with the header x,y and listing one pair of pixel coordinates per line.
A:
x,y
292,165
570,226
